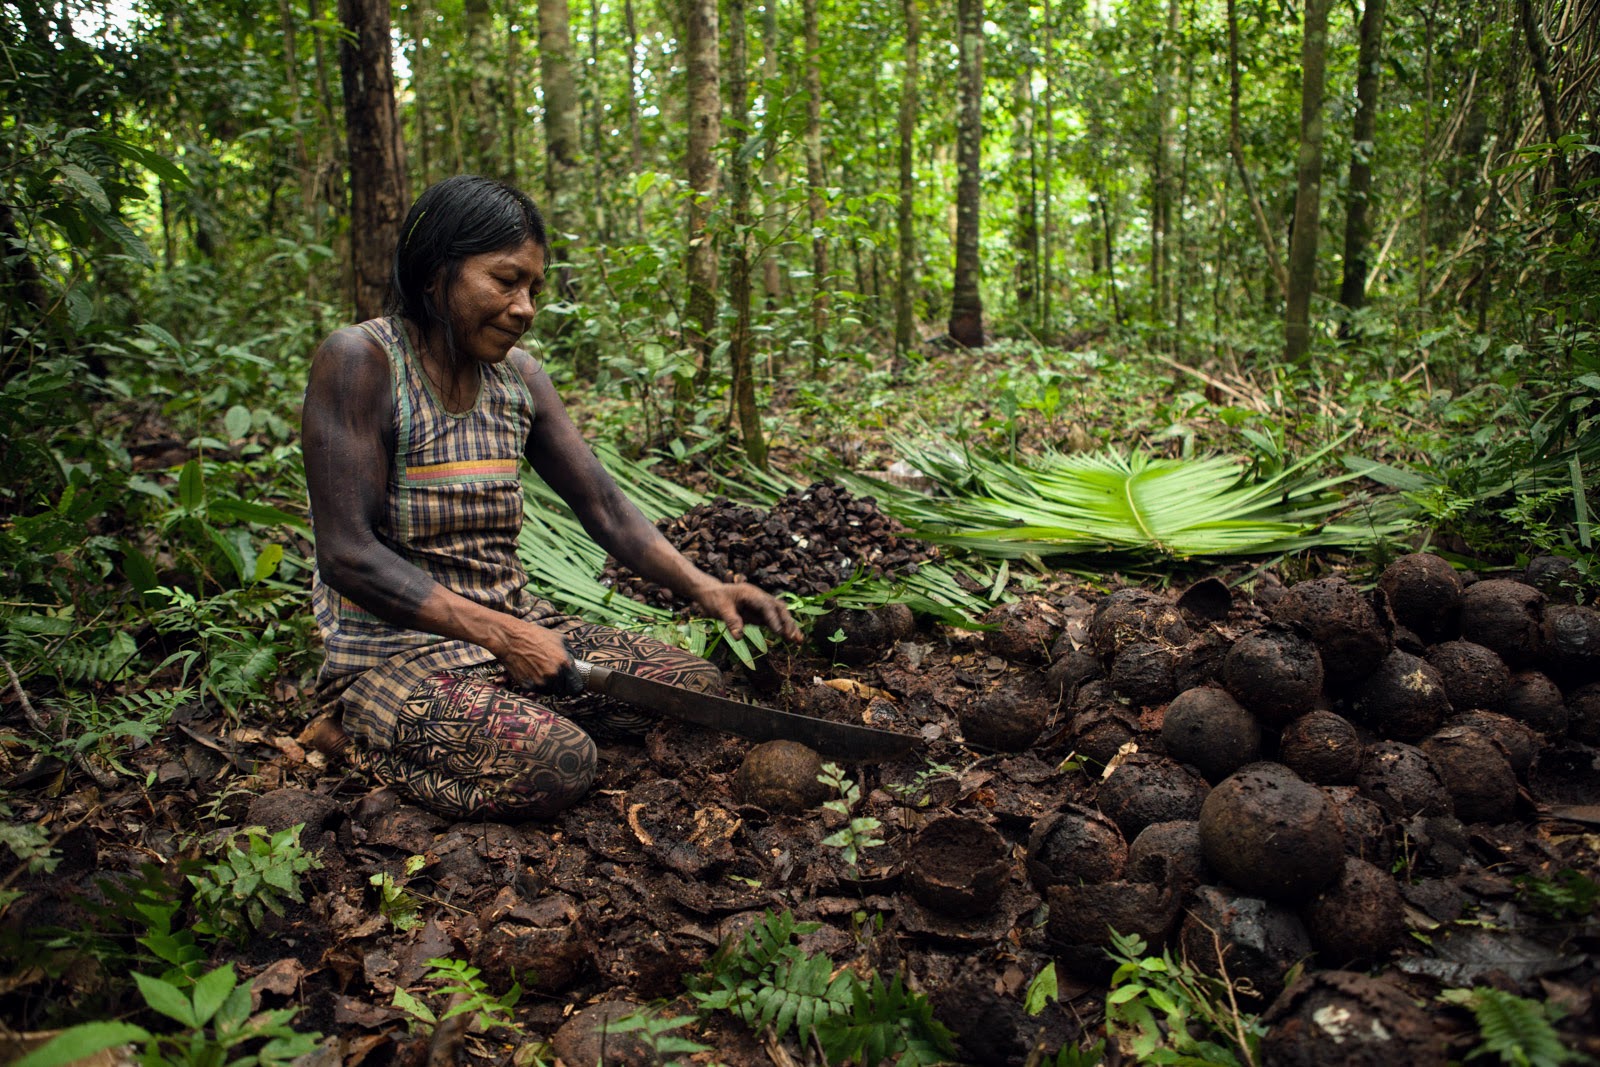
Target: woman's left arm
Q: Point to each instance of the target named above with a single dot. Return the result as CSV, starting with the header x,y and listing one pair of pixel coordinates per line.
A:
x,y
564,460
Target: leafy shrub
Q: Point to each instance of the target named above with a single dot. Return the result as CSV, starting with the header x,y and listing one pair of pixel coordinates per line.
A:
x,y
232,896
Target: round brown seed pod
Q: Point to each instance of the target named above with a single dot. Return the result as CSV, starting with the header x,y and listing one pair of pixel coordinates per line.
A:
x,y
1131,616
1144,673
1368,833
1402,781
1505,616
1424,595
1321,747
1360,918
1149,789
1007,719
1473,676
1404,698
850,635
1099,732
1082,917
1534,699
1583,714
1258,940
780,776
1073,845
1168,853
1069,671
1345,1019
1024,630
1271,834
1207,729
1342,622
1519,741
1571,642
1556,577
1275,673
957,865
1475,770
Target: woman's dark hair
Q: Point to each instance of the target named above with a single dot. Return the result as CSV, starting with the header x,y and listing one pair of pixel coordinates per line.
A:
x,y
451,220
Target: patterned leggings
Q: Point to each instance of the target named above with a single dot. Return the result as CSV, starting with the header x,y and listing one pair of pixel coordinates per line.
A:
x,y
469,746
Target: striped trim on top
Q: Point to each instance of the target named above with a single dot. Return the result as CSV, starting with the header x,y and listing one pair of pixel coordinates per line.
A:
x,y
461,471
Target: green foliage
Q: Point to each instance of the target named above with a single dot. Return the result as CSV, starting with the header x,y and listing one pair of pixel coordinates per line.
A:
x,y
885,1021
454,978
31,846
1081,503
1161,1010
859,833
217,1029
765,980
397,905
233,895
1565,895
655,1033
1514,1029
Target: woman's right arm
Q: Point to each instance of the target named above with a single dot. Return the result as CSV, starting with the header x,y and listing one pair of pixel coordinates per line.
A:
x,y
347,435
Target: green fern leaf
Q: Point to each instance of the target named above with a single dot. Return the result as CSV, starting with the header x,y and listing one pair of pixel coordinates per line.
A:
x,y
1517,1030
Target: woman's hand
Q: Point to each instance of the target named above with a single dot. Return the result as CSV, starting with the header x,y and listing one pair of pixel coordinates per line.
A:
x,y
535,658
737,603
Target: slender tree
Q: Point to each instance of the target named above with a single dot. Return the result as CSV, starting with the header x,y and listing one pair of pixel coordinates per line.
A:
x,y
741,361
966,306
1358,194
1308,182
378,192
771,269
816,183
1269,243
564,166
904,308
705,129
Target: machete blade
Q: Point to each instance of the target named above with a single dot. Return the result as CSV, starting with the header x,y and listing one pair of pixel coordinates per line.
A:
x,y
840,740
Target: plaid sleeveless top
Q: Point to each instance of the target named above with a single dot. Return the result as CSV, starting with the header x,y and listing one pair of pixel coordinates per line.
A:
x,y
454,510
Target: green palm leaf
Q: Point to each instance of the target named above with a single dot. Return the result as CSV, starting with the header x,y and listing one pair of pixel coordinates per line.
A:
x,y
1061,504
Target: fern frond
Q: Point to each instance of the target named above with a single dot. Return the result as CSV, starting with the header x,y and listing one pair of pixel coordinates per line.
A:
x,y
1517,1030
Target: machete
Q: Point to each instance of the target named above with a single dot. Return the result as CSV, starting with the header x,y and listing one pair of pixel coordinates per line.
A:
x,y
841,740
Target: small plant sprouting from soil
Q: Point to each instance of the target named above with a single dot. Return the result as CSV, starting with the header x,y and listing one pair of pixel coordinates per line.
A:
x,y
233,895
468,994
1155,1000
860,832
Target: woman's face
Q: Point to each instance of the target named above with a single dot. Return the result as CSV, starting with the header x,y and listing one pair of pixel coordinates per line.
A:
x,y
492,300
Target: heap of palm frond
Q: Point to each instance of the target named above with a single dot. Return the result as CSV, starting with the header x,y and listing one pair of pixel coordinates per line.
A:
x,y
564,562
1137,504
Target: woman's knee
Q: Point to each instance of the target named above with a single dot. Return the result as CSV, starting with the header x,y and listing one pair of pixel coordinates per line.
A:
x,y
702,676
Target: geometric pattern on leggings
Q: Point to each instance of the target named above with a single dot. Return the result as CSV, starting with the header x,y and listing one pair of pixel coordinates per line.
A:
x,y
468,745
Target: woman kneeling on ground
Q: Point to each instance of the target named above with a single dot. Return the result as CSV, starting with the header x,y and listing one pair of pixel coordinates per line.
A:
x,y
444,667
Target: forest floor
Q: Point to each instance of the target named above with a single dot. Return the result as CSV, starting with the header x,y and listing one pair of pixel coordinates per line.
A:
x,y
628,894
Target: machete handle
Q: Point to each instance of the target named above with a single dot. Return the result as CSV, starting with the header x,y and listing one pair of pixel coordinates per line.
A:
x,y
593,675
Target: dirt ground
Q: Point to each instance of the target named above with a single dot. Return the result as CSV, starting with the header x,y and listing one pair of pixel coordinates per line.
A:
x,y
631,891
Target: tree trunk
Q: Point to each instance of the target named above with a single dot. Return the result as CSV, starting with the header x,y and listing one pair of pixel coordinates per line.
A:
x,y
816,183
563,172
904,305
1308,184
1358,197
635,141
1161,184
966,306
1047,284
1027,194
513,116
771,271
378,193
705,129
1539,54
1236,146
742,365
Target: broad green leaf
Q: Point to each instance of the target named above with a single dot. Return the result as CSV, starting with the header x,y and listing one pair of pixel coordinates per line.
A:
x,y
191,485
81,1042
85,185
267,562
237,421
211,991
166,999
1041,990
